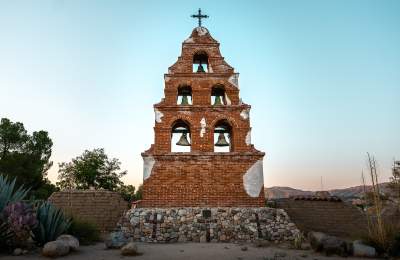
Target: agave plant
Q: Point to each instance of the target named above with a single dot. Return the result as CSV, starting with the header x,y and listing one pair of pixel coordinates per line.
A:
x,y
9,193
51,223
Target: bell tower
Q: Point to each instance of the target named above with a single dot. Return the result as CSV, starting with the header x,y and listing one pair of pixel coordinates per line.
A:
x,y
202,153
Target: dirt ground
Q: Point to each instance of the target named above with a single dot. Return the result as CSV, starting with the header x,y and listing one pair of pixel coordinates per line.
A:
x,y
192,251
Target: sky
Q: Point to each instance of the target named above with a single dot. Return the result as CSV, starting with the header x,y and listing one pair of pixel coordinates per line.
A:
x,y
323,78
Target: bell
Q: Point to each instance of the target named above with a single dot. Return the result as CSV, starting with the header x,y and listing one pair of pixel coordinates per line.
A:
x,y
221,140
200,68
185,100
218,101
183,141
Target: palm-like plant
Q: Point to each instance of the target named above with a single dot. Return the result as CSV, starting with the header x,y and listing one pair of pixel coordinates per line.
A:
x,y
9,193
51,223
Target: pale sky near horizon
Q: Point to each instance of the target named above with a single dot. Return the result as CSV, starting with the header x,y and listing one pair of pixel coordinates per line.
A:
x,y
323,78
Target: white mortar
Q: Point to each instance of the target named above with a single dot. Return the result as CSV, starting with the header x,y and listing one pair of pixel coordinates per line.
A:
x,y
253,179
148,163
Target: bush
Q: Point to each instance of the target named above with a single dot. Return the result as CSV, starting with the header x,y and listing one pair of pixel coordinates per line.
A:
x,y
87,232
5,235
21,219
51,223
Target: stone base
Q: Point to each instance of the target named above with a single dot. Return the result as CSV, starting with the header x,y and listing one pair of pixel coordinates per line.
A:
x,y
163,225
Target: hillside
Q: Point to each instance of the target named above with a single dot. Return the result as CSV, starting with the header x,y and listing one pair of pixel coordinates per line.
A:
x,y
277,192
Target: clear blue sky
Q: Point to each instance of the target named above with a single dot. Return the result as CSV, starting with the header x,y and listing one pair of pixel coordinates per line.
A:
x,y
323,78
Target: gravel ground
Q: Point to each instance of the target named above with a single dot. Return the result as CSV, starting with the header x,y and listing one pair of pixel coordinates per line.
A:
x,y
192,251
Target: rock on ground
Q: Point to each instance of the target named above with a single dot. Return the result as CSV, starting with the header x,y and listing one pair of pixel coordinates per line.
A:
x,y
129,249
72,241
116,240
55,249
330,245
361,250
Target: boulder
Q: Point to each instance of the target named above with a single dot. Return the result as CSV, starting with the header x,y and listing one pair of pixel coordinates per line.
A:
x,y
330,245
129,249
362,250
72,241
316,239
116,240
55,249
334,246
17,251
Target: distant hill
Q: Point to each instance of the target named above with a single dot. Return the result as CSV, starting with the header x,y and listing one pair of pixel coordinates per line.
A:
x,y
284,192
346,193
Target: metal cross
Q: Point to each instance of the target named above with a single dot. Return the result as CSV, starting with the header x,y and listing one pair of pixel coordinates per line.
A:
x,y
199,16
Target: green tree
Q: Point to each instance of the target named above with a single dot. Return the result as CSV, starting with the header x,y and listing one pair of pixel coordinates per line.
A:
x,y
92,169
26,157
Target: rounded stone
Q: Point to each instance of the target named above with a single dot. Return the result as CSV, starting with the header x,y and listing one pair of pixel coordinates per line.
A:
x,y
129,249
72,241
55,249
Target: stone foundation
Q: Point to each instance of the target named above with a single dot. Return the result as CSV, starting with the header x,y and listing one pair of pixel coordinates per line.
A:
x,y
162,225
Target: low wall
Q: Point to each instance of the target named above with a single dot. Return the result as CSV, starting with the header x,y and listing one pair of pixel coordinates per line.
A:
x,y
193,224
104,208
332,217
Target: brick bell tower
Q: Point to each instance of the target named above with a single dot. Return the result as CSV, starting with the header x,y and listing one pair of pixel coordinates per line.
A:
x,y
202,153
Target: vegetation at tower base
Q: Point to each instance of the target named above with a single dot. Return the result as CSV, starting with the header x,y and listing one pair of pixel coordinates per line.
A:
x,y
26,157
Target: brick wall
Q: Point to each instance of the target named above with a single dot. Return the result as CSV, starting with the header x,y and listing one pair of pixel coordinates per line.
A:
x,y
332,217
104,208
190,180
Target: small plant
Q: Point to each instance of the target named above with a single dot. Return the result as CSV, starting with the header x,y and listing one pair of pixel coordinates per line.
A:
x,y
51,223
21,219
298,240
9,193
87,232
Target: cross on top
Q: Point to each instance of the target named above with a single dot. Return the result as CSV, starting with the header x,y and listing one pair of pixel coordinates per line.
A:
x,y
199,16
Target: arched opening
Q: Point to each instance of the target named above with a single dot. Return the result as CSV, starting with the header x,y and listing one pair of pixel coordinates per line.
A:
x,y
200,62
180,137
218,97
184,95
223,137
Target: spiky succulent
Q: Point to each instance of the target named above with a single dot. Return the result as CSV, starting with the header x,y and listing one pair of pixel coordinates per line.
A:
x,y
51,223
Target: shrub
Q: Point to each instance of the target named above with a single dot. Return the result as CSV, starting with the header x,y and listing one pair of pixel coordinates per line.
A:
x,y
5,235
21,219
51,223
394,249
9,193
86,231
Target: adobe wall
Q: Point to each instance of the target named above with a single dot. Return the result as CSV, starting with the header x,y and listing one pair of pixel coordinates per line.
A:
x,y
206,180
104,208
221,225
332,217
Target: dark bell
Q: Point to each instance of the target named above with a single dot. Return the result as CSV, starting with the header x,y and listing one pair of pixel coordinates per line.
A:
x,y
218,101
200,68
221,140
183,141
185,100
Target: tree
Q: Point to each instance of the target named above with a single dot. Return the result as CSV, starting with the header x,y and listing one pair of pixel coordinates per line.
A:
x,y
92,169
26,157
394,183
